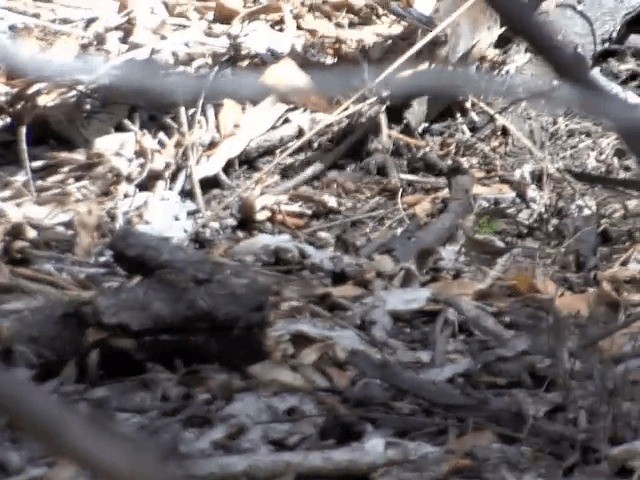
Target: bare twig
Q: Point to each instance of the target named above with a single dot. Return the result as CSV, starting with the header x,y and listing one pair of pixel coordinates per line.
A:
x,y
327,160
357,459
478,318
591,96
90,442
23,154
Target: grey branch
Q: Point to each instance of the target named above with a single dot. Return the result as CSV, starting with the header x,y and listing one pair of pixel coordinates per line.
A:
x,y
91,442
357,459
578,89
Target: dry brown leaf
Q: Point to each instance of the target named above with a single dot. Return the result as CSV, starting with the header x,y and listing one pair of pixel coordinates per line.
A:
x,y
524,285
202,7
275,207
226,11
622,283
632,255
289,221
47,96
314,103
479,438
528,279
478,174
313,376
285,76
460,287
620,275
575,303
598,304
123,6
429,205
351,6
414,199
604,298
247,209
495,189
294,85
457,465
229,117
87,222
269,372
471,33
339,378
313,353
257,120
547,286
269,200
347,291
253,13
324,201
624,339
48,214
318,26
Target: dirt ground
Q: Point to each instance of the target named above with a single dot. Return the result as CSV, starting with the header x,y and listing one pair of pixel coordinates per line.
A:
x,y
357,286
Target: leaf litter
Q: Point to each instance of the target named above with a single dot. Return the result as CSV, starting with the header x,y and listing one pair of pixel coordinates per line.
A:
x,y
312,285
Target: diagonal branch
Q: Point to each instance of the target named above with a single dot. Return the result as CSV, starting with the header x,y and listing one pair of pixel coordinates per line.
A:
x,y
89,441
591,95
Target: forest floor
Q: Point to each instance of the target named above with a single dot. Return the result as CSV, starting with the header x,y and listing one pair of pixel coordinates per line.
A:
x,y
312,287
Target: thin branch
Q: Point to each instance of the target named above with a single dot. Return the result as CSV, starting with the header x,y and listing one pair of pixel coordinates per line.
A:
x,y
591,95
358,459
89,441
23,154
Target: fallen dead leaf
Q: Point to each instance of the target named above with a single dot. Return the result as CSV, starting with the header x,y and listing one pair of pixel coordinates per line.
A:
x,y
226,11
338,5
339,378
229,117
621,341
575,303
87,222
286,75
347,291
269,372
429,206
528,279
294,85
289,221
524,285
472,33
460,287
625,455
413,199
457,465
257,120
312,353
623,283
495,189
318,25
479,438
253,13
